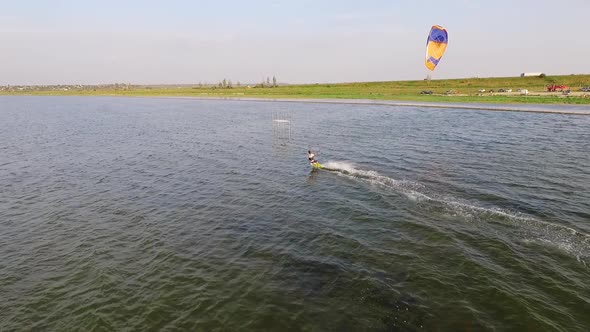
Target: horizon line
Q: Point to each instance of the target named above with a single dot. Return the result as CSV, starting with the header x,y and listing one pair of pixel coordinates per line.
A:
x,y
279,83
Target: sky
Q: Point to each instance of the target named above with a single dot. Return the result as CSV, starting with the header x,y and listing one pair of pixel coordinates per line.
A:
x,y
298,41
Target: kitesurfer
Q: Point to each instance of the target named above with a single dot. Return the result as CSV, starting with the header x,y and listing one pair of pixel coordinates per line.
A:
x,y
311,157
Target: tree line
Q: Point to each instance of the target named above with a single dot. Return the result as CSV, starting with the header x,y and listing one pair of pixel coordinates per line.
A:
x,y
227,84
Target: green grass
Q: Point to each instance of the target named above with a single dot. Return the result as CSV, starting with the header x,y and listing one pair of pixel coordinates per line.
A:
x,y
395,90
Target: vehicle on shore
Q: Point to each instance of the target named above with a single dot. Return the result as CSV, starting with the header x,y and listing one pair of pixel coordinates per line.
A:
x,y
426,92
555,88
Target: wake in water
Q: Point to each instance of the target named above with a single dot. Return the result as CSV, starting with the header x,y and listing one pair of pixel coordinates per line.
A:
x,y
565,238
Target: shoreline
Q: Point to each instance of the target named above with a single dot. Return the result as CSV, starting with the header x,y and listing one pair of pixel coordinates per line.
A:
x,y
565,109
527,108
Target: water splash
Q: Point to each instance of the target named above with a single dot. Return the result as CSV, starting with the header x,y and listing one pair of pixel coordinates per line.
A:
x,y
408,188
562,237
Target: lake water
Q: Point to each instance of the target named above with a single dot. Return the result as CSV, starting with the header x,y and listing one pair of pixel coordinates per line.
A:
x,y
170,214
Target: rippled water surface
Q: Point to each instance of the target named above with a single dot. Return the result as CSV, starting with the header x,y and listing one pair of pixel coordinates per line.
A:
x,y
167,214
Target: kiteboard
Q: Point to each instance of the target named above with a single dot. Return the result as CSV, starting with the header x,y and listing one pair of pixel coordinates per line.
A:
x,y
317,165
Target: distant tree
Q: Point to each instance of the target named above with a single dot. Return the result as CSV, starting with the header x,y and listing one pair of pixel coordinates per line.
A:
x,y
220,85
274,81
224,83
229,86
268,82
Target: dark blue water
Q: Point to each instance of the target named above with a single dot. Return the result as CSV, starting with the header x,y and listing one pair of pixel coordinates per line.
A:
x,y
166,214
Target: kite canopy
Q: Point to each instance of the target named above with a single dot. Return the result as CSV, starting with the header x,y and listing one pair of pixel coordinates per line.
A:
x,y
436,45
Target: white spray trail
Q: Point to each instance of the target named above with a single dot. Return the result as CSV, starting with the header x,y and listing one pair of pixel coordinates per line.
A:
x,y
563,237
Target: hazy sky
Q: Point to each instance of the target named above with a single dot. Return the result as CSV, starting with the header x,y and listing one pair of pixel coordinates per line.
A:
x,y
183,41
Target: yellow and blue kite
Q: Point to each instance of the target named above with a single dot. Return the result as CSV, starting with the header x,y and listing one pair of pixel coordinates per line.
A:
x,y
436,45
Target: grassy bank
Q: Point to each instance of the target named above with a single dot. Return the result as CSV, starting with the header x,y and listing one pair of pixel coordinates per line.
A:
x,y
466,90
